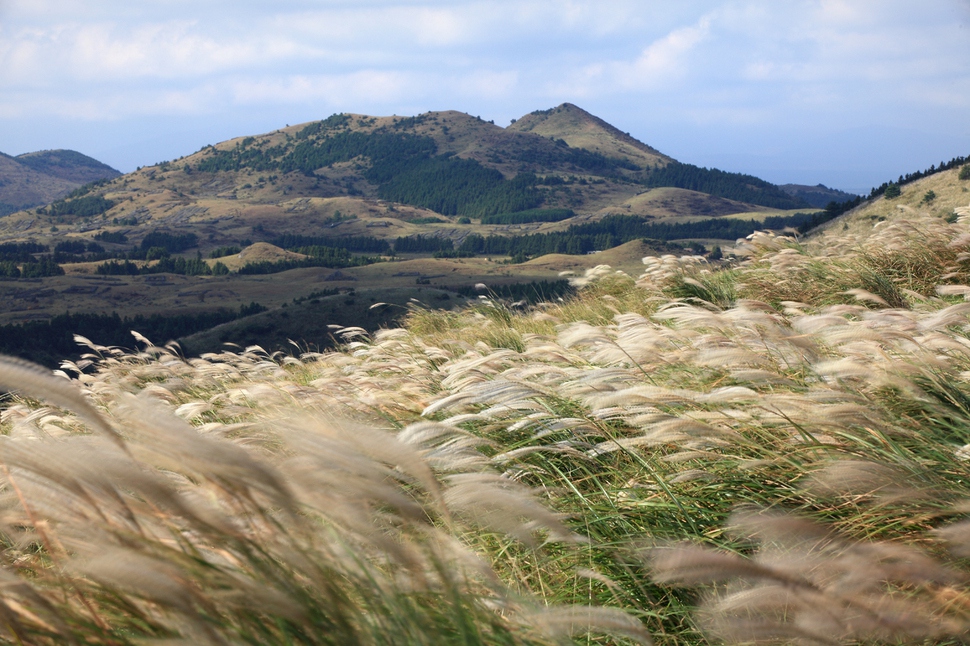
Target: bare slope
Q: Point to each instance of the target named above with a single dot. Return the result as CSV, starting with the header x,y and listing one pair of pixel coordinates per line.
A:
x,y
581,129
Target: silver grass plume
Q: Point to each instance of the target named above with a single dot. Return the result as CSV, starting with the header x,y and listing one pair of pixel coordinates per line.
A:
x,y
807,584
32,380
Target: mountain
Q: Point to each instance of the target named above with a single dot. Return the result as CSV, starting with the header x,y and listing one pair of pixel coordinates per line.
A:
x,y
339,214
580,129
818,196
69,165
37,178
390,172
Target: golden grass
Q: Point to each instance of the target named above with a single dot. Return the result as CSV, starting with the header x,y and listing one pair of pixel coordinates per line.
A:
x,y
788,432
272,520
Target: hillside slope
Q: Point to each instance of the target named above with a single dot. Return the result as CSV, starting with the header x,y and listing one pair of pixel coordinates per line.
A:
x,y
925,200
580,129
67,164
38,178
390,171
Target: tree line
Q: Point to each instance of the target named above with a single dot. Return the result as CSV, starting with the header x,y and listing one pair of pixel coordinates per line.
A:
x,y
49,342
361,244
614,230
82,207
733,186
165,265
41,268
453,186
920,174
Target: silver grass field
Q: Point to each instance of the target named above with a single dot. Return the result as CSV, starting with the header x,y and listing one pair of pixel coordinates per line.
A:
x,y
772,450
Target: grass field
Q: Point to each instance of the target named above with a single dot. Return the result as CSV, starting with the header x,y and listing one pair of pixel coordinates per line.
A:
x,y
770,450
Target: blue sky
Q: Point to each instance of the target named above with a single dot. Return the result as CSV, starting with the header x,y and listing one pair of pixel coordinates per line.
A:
x,y
846,93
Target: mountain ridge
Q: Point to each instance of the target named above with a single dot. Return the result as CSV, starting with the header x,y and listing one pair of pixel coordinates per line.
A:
x,y
37,178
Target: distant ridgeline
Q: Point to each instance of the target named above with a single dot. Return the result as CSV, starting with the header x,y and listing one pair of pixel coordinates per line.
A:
x,y
408,169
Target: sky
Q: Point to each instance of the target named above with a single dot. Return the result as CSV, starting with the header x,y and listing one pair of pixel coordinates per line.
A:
x,y
846,93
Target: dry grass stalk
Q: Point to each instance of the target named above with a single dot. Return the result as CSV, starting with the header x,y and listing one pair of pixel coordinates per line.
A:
x,y
808,585
297,527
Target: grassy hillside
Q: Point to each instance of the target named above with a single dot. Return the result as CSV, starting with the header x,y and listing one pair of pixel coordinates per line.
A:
x,y
773,449
449,163
948,193
22,187
67,164
581,129
38,178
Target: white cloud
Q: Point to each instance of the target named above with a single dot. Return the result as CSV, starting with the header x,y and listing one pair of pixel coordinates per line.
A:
x,y
486,84
365,86
659,64
668,57
806,65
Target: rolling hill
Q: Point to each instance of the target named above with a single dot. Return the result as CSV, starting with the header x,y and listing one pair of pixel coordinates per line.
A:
x,y
347,203
37,178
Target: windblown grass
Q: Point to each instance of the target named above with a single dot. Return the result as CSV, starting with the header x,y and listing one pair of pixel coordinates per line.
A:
x,y
790,433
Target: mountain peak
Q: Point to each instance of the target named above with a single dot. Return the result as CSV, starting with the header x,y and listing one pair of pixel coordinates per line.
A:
x,y
68,165
580,129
